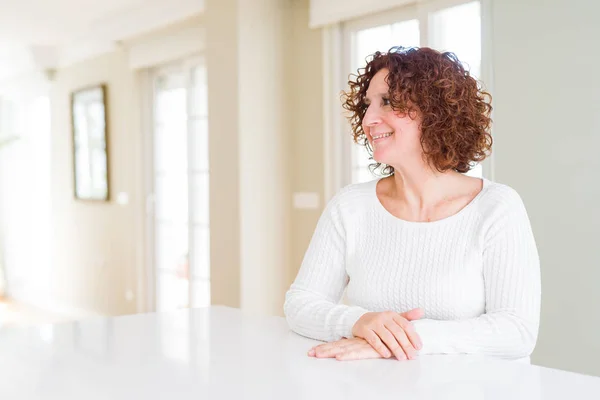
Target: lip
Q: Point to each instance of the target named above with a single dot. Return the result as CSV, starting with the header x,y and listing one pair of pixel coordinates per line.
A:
x,y
374,138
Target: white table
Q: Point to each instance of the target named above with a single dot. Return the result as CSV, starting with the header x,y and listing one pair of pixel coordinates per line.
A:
x,y
220,353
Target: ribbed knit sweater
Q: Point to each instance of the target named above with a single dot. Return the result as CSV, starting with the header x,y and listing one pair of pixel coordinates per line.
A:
x,y
475,274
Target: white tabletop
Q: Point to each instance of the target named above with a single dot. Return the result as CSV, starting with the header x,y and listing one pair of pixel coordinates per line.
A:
x,y
220,353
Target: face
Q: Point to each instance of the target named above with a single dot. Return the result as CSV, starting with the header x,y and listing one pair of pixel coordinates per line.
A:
x,y
394,137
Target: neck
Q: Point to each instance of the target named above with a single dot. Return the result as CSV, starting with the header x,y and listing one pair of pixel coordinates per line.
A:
x,y
423,186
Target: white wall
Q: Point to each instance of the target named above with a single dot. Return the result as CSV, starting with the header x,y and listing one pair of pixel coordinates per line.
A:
x,y
547,136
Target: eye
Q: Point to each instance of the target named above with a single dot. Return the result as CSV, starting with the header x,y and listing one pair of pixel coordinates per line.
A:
x,y
385,101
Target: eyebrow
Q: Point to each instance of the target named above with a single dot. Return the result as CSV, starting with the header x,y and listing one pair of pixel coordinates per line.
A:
x,y
381,94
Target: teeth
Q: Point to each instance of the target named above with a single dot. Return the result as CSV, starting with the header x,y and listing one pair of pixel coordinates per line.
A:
x,y
382,135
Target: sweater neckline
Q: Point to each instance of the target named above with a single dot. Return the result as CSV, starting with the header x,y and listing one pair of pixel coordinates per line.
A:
x,y
465,209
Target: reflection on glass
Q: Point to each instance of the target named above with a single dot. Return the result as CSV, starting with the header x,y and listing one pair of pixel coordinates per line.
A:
x,y
46,333
92,337
200,345
175,336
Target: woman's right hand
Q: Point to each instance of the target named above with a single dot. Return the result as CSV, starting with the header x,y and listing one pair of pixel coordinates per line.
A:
x,y
390,331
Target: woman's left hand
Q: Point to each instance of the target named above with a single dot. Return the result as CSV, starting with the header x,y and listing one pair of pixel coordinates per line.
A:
x,y
345,350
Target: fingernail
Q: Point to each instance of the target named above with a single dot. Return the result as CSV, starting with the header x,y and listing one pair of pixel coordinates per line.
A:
x,y
311,353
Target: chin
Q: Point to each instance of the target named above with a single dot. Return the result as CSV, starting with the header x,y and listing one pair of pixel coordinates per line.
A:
x,y
382,157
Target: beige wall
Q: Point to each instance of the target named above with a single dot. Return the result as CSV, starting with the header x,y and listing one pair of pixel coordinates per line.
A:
x,y
263,154
248,48
547,133
223,103
305,92
93,243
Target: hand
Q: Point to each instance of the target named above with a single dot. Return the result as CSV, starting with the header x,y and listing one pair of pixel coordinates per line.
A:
x,y
345,350
390,331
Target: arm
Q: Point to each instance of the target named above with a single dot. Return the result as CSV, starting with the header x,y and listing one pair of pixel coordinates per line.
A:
x,y
312,304
511,272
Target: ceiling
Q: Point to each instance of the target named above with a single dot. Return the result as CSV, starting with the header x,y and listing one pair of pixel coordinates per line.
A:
x,y
52,33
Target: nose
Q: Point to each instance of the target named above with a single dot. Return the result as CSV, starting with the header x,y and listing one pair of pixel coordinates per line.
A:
x,y
372,116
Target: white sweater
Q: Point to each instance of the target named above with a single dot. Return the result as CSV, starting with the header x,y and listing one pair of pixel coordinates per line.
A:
x,y
475,274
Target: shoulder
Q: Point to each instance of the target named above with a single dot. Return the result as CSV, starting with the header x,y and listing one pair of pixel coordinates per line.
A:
x,y
355,194
499,196
499,202
351,201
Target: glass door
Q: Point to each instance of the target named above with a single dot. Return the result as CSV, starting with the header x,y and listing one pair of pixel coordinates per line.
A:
x,y
180,225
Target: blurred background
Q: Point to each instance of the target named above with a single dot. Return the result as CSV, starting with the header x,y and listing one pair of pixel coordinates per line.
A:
x,y
160,155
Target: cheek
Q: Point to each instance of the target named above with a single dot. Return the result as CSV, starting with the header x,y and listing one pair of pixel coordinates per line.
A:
x,y
409,135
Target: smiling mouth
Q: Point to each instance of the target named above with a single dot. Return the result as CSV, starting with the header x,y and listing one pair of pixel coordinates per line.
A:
x,y
381,136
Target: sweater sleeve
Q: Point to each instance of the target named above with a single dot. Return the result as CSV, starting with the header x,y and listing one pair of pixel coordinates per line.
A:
x,y
312,304
511,273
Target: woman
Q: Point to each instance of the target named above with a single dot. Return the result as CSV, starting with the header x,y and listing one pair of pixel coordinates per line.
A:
x,y
432,261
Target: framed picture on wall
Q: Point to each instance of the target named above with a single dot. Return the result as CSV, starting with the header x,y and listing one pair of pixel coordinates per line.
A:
x,y
90,143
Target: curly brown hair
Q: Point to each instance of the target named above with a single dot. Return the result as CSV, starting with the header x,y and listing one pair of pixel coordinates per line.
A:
x,y
454,110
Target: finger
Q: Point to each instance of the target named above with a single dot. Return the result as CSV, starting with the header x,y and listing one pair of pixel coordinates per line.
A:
x,y
373,339
336,343
313,351
342,342
413,315
410,331
400,335
358,352
388,338
329,350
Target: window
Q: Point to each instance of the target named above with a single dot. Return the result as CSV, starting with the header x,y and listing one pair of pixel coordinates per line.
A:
x,y
456,29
